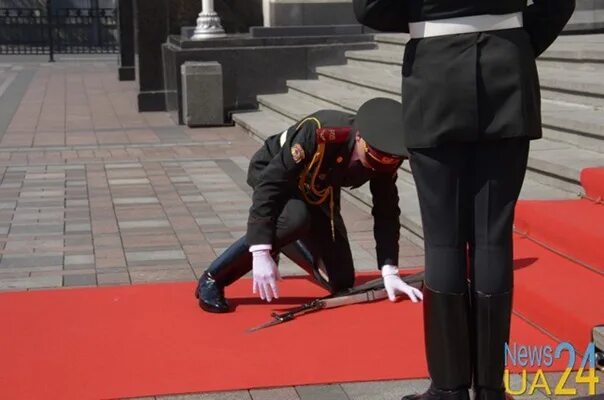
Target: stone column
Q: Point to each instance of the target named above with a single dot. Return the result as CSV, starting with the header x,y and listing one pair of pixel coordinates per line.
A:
x,y
125,12
208,23
266,12
151,31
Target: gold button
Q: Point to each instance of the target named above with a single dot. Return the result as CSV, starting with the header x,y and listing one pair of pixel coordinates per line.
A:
x,y
339,159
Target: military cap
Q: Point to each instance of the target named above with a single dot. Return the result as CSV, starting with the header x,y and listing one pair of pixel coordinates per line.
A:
x,y
379,122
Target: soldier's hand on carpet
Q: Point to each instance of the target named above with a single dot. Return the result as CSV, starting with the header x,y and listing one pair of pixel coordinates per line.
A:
x,y
265,274
395,285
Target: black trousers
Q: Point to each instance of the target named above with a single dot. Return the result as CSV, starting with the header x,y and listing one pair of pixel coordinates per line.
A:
x,y
311,226
467,194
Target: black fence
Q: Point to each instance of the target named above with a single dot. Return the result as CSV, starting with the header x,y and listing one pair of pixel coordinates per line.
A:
x,y
50,30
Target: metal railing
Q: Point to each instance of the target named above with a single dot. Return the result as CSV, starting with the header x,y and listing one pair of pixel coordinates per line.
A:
x,y
51,30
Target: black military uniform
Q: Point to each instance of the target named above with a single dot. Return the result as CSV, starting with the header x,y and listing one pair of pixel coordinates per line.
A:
x,y
297,176
470,106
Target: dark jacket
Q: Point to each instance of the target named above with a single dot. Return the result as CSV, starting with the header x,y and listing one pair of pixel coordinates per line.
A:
x,y
274,174
475,86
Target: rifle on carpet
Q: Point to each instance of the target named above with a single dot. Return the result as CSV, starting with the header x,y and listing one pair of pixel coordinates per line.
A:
x,y
365,293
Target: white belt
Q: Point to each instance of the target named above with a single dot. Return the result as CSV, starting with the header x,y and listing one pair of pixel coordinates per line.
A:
x,y
474,23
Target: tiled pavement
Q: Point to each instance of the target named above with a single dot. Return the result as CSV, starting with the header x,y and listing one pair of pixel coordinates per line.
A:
x,y
93,193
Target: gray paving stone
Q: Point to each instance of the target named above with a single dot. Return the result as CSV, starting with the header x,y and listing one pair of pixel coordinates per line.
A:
x,y
36,229
79,259
164,275
32,282
155,255
135,200
123,165
208,221
236,395
26,261
180,179
125,181
144,224
192,198
79,280
77,227
288,393
321,392
42,194
386,390
117,278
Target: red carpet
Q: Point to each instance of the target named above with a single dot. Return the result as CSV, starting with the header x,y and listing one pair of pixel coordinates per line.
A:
x,y
556,294
152,340
574,228
592,180
561,289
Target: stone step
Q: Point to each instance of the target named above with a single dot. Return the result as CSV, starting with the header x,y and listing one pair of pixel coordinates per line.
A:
x,y
261,124
580,125
379,56
294,105
573,80
386,53
282,110
566,49
553,163
346,96
573,85
267,121
577,83
395,39
560,164
389,78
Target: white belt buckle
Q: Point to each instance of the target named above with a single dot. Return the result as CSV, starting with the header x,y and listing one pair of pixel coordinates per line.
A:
x,y
474,23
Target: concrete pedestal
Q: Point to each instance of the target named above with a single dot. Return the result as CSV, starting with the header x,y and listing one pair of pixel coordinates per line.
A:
x,y
252,65
202,99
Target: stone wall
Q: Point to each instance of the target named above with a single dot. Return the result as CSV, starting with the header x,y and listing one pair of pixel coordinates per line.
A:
x,y
308,12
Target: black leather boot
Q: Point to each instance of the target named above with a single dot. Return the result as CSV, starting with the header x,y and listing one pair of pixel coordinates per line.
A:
x,y
302,255
231,265
491,314
446,332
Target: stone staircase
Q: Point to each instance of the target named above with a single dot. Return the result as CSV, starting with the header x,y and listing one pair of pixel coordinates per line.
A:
x,y
572,80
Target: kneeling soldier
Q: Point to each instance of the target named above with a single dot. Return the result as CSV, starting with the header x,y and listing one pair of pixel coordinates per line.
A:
x,y
296,177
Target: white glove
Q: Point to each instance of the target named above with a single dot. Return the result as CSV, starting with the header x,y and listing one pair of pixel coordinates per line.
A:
x,y
265,275
395,285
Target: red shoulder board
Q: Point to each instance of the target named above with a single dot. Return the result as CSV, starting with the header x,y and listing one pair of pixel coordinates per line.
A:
x,y
333,135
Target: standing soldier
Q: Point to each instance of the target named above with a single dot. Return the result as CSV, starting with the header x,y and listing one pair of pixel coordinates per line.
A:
x,y
470,106
296,177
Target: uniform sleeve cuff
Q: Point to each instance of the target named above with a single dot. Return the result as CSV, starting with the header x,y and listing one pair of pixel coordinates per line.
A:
x,y
389,270
258,247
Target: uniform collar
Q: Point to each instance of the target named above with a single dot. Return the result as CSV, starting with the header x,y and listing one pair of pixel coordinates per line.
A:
x,y
348,149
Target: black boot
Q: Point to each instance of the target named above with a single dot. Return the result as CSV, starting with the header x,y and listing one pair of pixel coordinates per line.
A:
x,y
491,326
302,255
446,331
231,265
